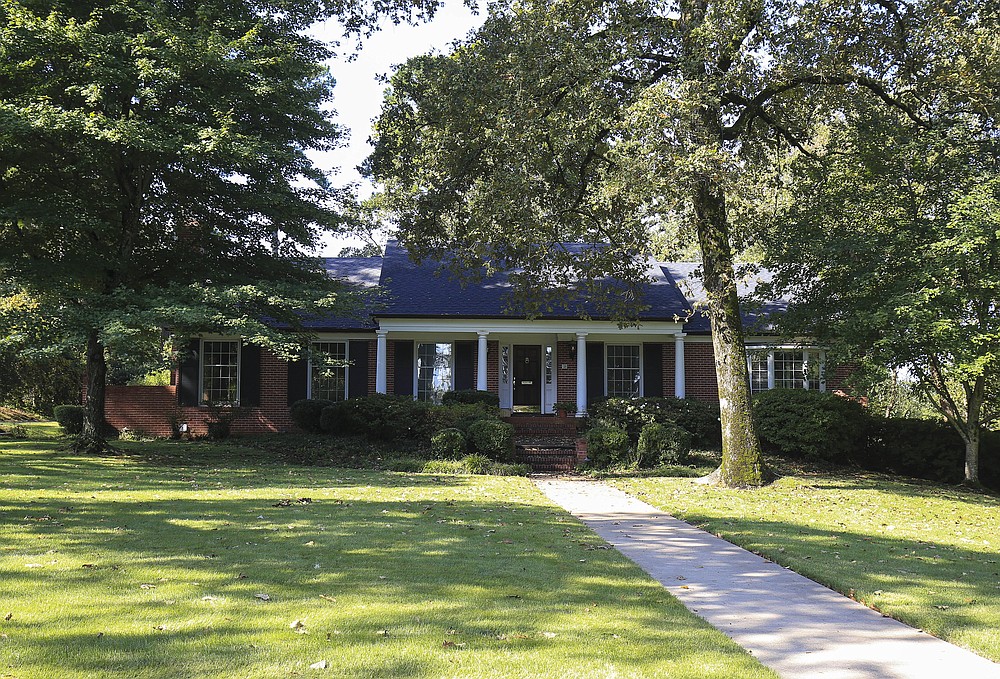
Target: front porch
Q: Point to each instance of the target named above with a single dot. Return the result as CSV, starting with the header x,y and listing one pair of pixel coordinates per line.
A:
x,y
530,365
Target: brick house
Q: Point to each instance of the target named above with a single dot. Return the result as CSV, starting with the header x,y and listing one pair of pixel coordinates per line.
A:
x,y
429,334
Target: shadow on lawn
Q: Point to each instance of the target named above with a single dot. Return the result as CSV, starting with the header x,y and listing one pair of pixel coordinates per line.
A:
x,y
486,573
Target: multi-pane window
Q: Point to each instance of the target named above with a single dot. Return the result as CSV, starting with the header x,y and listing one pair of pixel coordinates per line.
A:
x,y
434,371
758,371
329,371
623,370
785,369
788,370
220,371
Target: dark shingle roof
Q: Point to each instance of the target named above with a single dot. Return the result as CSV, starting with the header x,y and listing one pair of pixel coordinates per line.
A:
x,y
756,316
359,272
429,289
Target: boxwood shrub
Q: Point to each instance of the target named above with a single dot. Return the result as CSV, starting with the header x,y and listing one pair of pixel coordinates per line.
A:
x,y
70,418
307,412
607,445
493,439
811,424
698,418
448,444
663,444
471,396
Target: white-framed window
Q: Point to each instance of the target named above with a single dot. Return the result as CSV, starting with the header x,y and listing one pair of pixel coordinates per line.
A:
x,y
220,371
759,374
328,371
624,370
785,368
435,374
788,370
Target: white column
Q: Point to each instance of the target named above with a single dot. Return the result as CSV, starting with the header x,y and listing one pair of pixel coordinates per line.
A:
x,y
481,365
381,359
679,364
581,374
770,369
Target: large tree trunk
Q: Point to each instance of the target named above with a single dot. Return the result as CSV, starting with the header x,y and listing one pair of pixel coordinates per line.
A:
x,y
742,460
92,440
974,404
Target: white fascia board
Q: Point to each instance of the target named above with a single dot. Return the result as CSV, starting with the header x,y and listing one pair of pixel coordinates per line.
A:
x,y
521,326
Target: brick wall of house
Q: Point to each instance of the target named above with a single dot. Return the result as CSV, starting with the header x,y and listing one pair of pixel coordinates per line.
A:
x,y
837,380
566,379
668,368
151,409
492,365
699,371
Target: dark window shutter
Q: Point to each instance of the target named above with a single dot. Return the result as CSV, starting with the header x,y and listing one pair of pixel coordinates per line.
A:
x,y
298,379
652,369
187,375
465,372
249,375
595,372
357,373
404,368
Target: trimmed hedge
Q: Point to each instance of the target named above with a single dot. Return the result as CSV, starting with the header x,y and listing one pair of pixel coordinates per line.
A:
x,y
471,397
698,418
607,445
493,439
70,418
389,418
448,444
663,444
811,424
307,412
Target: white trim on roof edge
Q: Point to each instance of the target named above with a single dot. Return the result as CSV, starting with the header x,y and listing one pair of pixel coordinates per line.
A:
x,y
518,325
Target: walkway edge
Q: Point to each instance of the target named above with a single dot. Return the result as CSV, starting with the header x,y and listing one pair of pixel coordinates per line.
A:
x,y
795,626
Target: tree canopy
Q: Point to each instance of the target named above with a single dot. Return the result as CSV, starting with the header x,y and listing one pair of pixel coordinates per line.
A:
x,y
154,168
597,121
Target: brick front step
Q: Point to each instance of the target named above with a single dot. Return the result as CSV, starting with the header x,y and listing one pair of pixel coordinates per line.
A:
x,y
555,459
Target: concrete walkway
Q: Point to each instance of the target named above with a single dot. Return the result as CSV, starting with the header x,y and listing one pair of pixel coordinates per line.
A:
x,y
791,624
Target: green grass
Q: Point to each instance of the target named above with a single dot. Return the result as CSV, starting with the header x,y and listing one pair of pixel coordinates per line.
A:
x,y
150,564
923,553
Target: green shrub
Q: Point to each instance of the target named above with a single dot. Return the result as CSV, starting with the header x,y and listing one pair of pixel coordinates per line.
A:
x,y
663,444
493,438
434,418
927,449
811,424
698,418
477,464
448,444
70,418
306,413
471,396
127,434
608,445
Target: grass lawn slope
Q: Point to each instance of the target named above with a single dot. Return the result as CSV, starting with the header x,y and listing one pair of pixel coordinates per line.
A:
x,y
923,553
193,560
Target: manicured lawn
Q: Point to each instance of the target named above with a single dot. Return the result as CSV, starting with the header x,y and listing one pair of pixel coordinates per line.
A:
x,y
926,554
157,563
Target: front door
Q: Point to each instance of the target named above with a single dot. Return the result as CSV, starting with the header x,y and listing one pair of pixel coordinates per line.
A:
x,y
527,378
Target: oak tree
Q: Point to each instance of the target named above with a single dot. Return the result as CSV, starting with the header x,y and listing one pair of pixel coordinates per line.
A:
x,y
594,121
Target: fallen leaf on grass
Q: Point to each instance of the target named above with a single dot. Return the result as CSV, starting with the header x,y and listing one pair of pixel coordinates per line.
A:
x,y
382,632
8,616
146,585
321,665
298,627
263,597
326,598
549,635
